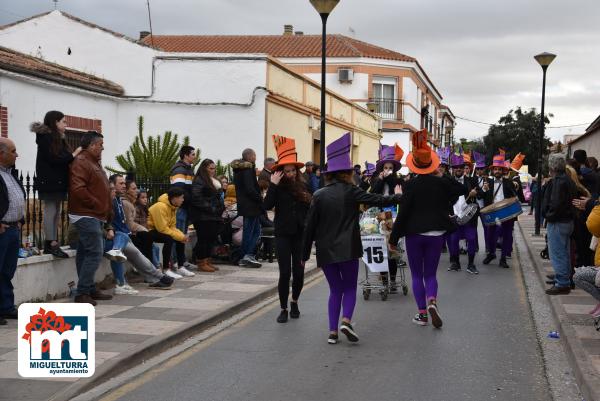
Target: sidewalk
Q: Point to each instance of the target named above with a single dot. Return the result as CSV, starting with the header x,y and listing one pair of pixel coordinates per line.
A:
x,y
582,341
132,328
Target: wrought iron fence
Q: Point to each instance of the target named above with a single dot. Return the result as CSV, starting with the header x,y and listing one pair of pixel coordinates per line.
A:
x,y
32,232
388,109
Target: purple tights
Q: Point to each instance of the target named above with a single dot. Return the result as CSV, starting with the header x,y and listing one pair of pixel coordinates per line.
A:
x,y
423,253
342,278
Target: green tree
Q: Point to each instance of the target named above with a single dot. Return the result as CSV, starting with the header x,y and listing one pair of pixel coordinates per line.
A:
x,y
151,157
518,131
223,169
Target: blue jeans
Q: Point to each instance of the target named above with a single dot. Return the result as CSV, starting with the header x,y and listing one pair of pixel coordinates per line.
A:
x,y
9,251
89,253
559,241
155,255
120,241
178,252
250,235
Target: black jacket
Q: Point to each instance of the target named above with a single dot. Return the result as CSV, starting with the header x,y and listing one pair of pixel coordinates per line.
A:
x,y
470,183
508,189
247,191
332,222
51,170
424,206
206,203
290,214
378,184
4,194
557,204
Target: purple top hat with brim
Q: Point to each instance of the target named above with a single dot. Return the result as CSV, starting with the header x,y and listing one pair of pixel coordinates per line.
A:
x,y
338,154
479,160
457,160
369,169
444,155
387,154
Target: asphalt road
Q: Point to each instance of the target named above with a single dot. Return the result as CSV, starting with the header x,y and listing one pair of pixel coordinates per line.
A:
x,y
486,350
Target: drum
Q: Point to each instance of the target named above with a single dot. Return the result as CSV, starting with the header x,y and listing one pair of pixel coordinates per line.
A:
x,y
501,211
469,211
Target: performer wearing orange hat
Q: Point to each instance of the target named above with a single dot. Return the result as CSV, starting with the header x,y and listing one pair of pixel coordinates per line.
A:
x,y
290,196
423,219
497,189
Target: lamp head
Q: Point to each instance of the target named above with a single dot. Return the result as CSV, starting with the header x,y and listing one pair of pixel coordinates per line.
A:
x,y
544,59
324,6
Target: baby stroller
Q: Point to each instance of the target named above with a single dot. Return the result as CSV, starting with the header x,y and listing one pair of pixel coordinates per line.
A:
x,y
228,248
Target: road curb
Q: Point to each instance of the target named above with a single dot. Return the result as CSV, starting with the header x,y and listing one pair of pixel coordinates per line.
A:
x,y
584,372
160,343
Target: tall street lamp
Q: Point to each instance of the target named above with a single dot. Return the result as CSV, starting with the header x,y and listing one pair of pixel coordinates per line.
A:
x,y
324,8
544,60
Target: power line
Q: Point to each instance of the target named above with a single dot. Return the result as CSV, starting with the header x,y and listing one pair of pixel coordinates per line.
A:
x,y
489,124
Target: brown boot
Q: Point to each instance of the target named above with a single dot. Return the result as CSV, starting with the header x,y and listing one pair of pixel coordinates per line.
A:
x,y
85,299
209,262
204,267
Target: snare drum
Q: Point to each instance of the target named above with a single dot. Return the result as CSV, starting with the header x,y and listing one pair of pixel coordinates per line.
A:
x,y
499,212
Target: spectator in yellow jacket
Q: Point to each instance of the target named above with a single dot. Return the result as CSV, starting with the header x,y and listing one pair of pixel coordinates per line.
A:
x,y
162,226
588,277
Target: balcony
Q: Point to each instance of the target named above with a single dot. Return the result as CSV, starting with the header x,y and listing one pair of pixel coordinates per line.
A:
x,y
387,109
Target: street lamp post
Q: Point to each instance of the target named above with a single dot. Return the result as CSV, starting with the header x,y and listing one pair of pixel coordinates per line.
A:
x,y
544,60
324,8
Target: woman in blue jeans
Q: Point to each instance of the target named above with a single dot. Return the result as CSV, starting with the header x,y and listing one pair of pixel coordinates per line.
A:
x,y
559,212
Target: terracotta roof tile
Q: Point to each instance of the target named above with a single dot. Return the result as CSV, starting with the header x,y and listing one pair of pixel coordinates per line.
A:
x,y
13,61
281,46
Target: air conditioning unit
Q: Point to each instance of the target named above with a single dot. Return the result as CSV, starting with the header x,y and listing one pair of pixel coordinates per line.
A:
x,y
345,74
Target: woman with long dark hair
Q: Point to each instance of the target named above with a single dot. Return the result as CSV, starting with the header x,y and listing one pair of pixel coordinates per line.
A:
x,y
52,174
289,194
206,213
332,223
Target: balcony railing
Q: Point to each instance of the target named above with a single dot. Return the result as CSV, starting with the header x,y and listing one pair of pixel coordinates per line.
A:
x,y
387,109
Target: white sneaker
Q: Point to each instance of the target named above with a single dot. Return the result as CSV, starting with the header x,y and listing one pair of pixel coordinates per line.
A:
x,y
125,290
172,274
185,272
189,266
115,255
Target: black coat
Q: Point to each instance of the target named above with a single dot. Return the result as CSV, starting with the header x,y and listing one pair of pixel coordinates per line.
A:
x,y
4,194
51,170
424,206
378,184
206,203
290,214
557,204
332,222
247,191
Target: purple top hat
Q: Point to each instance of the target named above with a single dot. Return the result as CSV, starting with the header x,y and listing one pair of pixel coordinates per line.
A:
x,y
479,160
387,155
369,169
457,160
338,154
444,155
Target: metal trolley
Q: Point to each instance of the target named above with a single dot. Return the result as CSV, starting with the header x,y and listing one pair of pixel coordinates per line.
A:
x,y
375,281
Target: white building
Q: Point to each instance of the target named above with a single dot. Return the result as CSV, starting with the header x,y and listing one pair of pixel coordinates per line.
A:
x,y
103,80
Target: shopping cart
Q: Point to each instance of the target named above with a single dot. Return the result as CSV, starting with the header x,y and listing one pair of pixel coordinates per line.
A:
x,y
375,262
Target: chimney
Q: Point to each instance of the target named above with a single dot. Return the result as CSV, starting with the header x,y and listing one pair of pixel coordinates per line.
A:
x,y
288,30
143,34
298,33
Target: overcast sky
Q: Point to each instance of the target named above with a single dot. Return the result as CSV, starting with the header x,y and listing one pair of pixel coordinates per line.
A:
x,y
479,54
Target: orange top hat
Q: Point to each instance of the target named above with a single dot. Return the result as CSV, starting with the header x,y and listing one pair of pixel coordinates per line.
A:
x,y
398,153
286,152
517,162
422,159
467,158
498,161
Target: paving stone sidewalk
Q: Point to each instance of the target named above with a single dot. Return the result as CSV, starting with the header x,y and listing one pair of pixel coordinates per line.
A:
x,y
128,324
576,326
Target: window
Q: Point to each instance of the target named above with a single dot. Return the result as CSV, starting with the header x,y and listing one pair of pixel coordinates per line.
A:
x,y
384,96
73,138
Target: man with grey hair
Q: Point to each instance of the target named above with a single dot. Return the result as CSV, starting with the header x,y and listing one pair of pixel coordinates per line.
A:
x,y
559,212
12,212
265,174
249,205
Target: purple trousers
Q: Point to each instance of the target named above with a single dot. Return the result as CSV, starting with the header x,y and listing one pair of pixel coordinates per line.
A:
x,y
506,230
342,278
467,232
423,252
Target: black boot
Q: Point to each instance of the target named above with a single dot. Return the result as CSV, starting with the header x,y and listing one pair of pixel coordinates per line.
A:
x,y
283,316
471,268
294,311
489,258
503,263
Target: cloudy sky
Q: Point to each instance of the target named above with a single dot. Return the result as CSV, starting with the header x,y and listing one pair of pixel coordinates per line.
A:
x,y
479,54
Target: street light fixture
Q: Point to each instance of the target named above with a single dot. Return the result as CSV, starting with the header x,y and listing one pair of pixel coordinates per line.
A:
x,y
544,60
324,8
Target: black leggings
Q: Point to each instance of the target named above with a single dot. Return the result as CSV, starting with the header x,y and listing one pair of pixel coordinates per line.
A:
x,y
168,242
289,254
393,268
143,241
206,236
